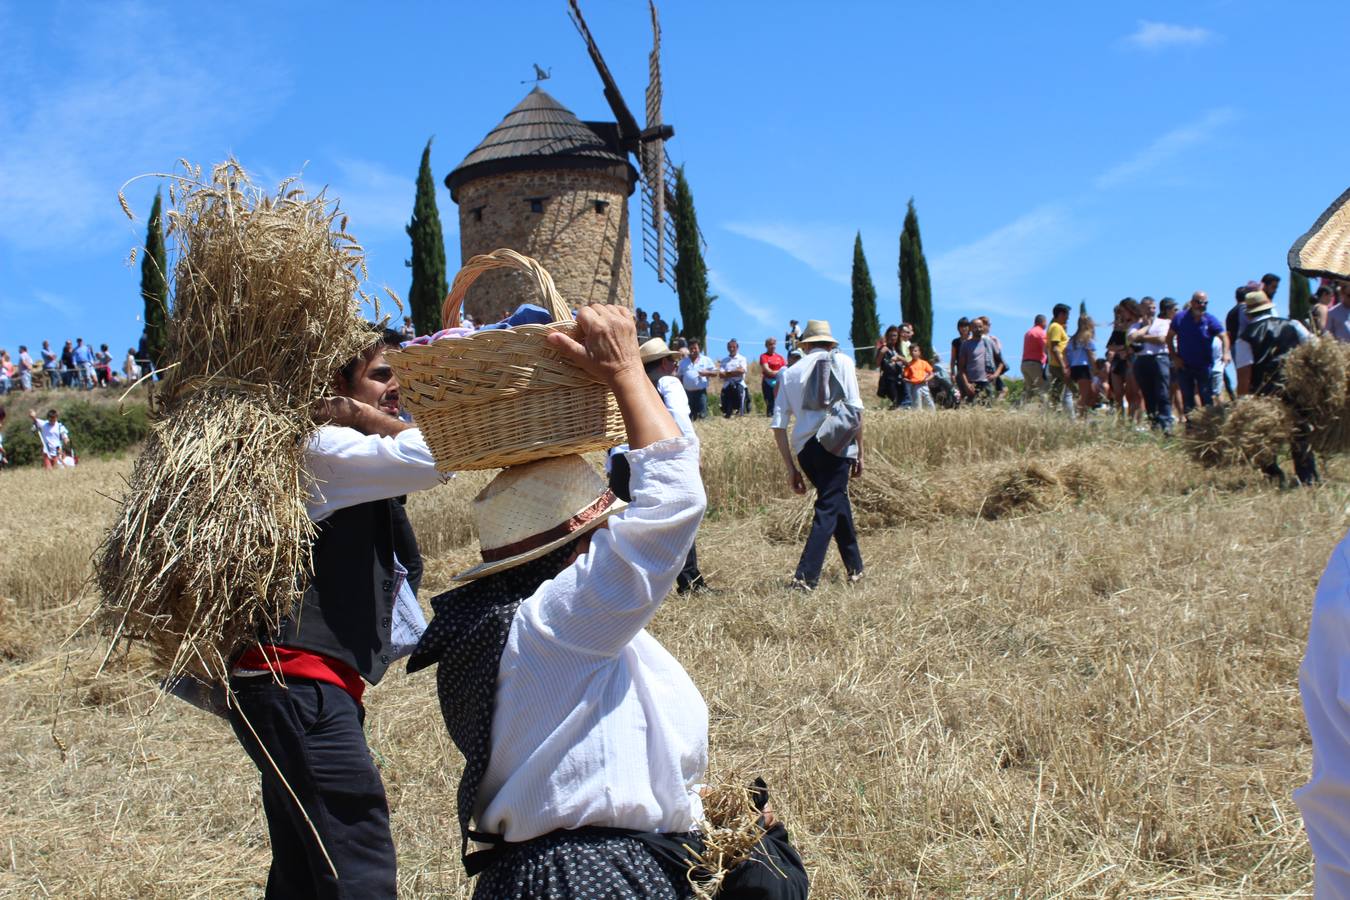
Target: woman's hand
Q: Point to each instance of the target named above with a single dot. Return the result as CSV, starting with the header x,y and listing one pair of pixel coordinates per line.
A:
x,y
608,347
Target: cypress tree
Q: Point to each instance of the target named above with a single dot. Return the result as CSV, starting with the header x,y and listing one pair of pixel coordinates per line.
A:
x,y
691,274
916,296
428,289
866,328
155,287
674,330
1300,297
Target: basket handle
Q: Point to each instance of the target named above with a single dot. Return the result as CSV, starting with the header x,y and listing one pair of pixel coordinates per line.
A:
x,y
502,259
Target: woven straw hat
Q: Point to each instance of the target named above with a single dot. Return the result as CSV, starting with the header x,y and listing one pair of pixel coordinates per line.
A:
x,y
1256,302
656,348
530,509
817,332
1325,250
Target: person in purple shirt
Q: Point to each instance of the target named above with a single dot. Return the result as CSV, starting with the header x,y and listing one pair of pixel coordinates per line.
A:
x,y
1191,342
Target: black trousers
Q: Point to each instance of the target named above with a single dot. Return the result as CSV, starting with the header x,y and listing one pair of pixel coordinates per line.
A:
x,y
312,732
833,516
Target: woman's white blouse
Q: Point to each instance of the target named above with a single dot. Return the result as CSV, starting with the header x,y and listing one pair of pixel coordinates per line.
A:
x,y
596,723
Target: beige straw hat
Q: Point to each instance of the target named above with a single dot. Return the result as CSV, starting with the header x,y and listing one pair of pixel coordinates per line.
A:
x,y
530,509
1325,250
1256,302
656,348
817,332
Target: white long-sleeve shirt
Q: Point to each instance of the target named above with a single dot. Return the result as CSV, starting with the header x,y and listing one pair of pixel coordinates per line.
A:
x,y
349,468
1324,681
596,723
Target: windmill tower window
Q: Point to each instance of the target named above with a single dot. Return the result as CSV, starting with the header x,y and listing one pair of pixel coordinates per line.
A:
x,y
601,206
536,204
477,213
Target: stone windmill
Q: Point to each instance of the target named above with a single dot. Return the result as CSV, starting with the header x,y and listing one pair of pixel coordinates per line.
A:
x,y
556,188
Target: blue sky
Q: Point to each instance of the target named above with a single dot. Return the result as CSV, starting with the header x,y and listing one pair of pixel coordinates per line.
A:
x,y
1055,151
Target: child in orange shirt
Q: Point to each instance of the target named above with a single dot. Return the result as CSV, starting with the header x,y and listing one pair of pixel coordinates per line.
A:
x,y
918,372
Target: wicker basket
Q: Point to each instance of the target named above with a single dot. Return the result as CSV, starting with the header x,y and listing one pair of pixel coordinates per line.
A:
x,y
504,397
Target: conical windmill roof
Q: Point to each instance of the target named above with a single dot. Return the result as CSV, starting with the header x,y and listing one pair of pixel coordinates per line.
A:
x,y
540,133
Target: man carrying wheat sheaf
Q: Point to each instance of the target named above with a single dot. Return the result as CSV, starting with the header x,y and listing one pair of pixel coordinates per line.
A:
x,y
297,707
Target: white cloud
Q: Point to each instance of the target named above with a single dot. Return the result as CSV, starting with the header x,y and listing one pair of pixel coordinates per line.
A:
x,y
982,273
825,249
1167,147
110,106
1157,35
747,303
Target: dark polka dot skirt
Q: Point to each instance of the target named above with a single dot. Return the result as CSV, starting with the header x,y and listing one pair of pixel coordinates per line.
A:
x,y
567,865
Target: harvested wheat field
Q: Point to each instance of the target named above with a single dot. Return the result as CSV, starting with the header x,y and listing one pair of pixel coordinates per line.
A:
x,y
1069,672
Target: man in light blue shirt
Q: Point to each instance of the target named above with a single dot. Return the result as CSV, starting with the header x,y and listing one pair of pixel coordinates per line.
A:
x,y
694,371
84,361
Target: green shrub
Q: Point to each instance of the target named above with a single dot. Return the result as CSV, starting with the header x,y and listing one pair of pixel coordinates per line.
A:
x,y
96,429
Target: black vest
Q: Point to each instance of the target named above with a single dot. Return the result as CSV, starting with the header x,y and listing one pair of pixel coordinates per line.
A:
x,y
1271,339
348,608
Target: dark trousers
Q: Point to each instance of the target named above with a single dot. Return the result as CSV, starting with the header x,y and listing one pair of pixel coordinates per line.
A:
x,y
770,390
698,403
1192,382
1300,448
734,396
312,733
620,472
1154,374
833,515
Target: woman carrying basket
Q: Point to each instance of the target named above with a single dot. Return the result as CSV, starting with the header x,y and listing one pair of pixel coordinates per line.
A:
x,y
584,740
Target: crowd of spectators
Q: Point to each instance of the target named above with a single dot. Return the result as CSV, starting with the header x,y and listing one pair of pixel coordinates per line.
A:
x,y
76,365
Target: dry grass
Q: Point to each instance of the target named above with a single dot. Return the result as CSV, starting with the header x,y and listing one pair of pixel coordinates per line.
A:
x,y
265,310
1096,699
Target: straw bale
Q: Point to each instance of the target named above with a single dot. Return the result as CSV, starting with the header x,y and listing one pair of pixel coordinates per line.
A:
x,y
1317,383
1083,479
210,544
1201,440
1022,489
1255,430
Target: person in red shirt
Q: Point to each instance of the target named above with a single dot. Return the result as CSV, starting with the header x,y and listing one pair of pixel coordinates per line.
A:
x,y
771,366
1033,361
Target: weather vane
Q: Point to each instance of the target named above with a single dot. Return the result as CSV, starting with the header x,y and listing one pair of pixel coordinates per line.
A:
x,y
540,74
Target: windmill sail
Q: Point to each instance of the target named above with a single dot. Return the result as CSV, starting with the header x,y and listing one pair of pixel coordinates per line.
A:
x,y
647,144
654,163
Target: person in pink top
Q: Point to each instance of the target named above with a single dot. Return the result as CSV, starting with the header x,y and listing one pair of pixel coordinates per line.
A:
x,y
1033,361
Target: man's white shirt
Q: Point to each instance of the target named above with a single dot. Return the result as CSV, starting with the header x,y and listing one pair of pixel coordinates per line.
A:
x,y
731,364
787,404
693,373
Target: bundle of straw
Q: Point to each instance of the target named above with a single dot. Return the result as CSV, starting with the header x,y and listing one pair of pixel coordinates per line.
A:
x,y
211,544
1255,430
730,829
1317,384
1250,432
1021,489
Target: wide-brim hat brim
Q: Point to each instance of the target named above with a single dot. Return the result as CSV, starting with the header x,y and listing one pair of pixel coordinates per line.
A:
x,y
818,339
488,568
669,354
1324,251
